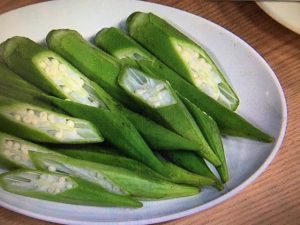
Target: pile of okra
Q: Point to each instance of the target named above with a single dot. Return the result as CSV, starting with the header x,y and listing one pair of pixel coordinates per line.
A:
x,y
130,116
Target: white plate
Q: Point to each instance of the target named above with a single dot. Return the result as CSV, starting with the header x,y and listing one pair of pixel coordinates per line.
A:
x,y
262,102
286,13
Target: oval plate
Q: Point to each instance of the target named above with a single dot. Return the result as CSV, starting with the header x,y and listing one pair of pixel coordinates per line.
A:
x,y
262,102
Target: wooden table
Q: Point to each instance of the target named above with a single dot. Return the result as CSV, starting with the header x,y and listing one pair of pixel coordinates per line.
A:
x,y
274,198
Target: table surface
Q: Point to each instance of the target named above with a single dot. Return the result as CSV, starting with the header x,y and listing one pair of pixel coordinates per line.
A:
x,y
274,197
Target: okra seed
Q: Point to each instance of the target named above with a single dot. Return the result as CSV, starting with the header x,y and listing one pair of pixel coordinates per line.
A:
x,y
62,67
70,123
57,190
55,62
8,144
52,168
24,149
17,117
16,146
50,189
17,158
42,65
26,119
62,180
30,112
69,186
59,134
51,117
66,90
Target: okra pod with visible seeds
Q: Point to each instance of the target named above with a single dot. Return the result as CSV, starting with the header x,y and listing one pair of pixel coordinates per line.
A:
x,y
161,102
104,70
183,55
112,158
191,162
114,179
61,188
49,71
14,152
212,135
42,125
113,40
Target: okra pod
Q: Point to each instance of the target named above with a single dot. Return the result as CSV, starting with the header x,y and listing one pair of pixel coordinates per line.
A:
x,y
162,103
113,179
49,71
212,134
182,54
42,125
113,40
110,157
14,152
191,162
61,188
104,69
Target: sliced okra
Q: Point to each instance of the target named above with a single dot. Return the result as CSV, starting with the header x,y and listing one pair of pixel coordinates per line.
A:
x,y
49,71
61,188
113,179
158,98
14,152
183,55
120,45
42,125
104,69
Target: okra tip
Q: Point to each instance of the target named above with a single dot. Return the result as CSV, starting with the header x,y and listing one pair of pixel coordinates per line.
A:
x,y
132,16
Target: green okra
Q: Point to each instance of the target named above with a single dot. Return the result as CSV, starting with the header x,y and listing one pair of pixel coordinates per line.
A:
x,y
116,130
161,102
120,45
104,70
191,162
212,134
61,188
182,54
113,179
14,152
50,72
43,125
110,157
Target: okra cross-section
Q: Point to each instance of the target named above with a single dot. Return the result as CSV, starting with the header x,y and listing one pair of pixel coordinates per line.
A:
x,y
49,71
42,125
14,152
61,188
183,55
153,92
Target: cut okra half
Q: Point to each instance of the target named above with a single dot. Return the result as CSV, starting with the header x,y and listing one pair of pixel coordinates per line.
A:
x,y
49,71
60,188
153,92
14,152
183,55
113,179
42,125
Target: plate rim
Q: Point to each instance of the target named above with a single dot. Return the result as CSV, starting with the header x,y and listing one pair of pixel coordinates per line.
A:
x,y
208,204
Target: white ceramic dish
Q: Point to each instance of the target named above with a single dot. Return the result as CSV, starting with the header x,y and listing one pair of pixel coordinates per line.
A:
x,y
286,13
262,102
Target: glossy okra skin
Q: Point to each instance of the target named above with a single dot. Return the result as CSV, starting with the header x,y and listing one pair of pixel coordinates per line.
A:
x,y
183,55
49,71
42,125
14,152
114,179
61,188
191,162
104,69
113,40
165,106
212,134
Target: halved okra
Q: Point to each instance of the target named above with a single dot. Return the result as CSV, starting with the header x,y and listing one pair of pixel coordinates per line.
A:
x,y
14,152
162,103
49,71
61,188
212,135
42,125
111,157
120,45
191,162
113,179
103,69
183,55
